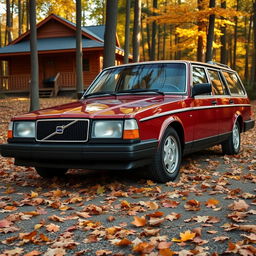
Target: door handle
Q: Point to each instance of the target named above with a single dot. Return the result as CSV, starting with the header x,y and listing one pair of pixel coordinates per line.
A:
x,y
214,102
231,101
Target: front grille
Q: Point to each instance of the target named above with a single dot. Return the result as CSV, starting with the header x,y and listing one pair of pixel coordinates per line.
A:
x,y
62,130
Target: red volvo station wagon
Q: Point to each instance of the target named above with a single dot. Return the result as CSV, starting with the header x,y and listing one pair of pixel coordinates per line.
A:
x,y
137,115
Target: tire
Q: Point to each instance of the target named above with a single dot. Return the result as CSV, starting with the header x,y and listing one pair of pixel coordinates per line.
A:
x,y
232,145
50,172
166,162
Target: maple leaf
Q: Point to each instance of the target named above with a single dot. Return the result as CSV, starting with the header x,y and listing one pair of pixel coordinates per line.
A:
x,y
173,216
212,203
239,205
164,245
14,252
201,218
139,221
251,237
220,238
103,252
151,231
33,253
155,214
170,204
192,205
52,227
123,242
144,247
156,221
55,252
187,235
166,252
29,236
56,218
5,223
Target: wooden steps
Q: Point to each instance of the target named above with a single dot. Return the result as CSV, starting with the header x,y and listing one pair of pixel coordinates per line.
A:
x,y
46,92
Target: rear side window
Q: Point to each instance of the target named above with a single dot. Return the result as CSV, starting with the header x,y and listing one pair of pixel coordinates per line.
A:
x,y
199,76
217,85
234,83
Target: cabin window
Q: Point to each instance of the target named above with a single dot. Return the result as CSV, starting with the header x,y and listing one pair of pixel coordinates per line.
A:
x,y
217,85
86,65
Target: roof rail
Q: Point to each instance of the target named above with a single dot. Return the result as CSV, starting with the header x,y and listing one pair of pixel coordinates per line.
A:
x,y
218,64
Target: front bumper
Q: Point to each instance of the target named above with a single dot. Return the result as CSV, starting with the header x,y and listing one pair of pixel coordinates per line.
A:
x,y
87,156
248,124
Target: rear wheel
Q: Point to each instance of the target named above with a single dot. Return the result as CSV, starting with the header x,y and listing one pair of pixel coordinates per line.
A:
x,y
51,172
232,145
167,159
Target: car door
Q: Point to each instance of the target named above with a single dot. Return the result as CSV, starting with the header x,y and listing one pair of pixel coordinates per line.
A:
x,y
206,127
222,97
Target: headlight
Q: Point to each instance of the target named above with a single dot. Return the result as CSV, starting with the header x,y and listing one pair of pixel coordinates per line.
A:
x,y
107,129
24,129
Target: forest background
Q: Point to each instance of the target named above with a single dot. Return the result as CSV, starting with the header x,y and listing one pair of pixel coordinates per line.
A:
x,y
169,29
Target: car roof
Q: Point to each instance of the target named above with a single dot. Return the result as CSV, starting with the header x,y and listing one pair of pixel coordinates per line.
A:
x,y
211,65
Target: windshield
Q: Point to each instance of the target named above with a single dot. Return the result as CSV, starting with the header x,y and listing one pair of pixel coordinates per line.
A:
x,y
166,77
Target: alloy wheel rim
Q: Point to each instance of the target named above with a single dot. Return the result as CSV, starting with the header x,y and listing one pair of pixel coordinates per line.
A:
x,y
236,137
170,154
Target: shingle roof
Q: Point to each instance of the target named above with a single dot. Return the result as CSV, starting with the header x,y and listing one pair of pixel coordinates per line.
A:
x,y
96,30
48,44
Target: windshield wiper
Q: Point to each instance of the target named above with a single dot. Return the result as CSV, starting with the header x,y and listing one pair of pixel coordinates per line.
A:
x,y
141,90
95,94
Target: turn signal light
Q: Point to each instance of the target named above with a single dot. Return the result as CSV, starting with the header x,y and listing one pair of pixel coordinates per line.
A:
x,y
9,135
131,134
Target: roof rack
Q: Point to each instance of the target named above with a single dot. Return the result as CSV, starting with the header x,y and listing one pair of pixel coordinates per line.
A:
x,y
219,64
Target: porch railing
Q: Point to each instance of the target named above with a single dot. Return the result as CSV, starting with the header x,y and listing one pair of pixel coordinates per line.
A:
x,y
21,82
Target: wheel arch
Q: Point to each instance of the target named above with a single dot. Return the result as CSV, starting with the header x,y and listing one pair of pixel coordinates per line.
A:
x,y
238,118
177,125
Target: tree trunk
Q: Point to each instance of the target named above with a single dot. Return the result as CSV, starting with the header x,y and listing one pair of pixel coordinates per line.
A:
x,y
223,38
27,9
110,34
247,50
136,31
159,38
8,21
154,32
19,18
34,84
254,48
164,42
79,51
210,34
200,43
127,31
143,40
235,37
148,35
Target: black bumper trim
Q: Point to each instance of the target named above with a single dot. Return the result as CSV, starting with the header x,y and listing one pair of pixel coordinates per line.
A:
x,y
90,156
249,124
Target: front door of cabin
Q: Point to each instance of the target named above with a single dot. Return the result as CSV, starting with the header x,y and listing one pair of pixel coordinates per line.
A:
x,y
49,72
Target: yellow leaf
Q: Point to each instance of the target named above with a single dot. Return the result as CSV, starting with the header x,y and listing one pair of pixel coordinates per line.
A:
x,y
33,194
188,235
37,226
100,190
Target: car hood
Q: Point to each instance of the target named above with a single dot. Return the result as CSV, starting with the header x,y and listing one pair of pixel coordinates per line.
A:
x,y
103,107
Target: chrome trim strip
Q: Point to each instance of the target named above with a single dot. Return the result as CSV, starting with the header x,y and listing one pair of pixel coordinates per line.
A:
x,y
208,137
192,109
73,121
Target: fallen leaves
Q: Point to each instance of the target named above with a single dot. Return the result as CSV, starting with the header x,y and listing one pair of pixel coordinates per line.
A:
x,y
123,217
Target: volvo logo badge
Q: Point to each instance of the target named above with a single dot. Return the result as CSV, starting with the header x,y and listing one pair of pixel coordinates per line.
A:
x,y
59,129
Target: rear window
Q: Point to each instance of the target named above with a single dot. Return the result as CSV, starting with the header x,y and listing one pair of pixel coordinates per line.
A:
x,y
233,83
199,76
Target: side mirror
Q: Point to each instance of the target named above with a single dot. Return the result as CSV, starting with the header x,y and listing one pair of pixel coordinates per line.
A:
x,y
199,89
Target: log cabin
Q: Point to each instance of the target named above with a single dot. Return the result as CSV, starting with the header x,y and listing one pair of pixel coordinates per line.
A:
x,y
56,44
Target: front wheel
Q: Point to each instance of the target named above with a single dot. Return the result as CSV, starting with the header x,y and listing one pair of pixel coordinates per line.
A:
x,y
232,145
51,172
167,159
